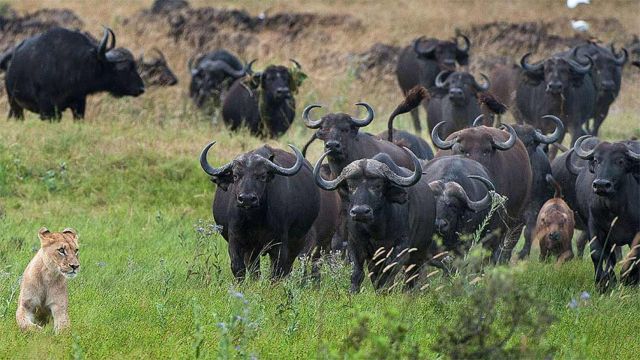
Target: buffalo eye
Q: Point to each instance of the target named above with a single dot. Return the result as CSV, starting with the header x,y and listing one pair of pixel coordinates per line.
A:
x,y
62,251
621,162
262,177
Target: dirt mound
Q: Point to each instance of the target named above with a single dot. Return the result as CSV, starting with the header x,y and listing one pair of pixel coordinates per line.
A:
x,y
15,28
377,62
543,37
209,27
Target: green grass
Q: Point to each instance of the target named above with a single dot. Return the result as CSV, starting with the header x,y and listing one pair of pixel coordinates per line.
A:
x,y
134,191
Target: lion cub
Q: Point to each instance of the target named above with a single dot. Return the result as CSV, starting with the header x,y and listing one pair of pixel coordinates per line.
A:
x,y
43,291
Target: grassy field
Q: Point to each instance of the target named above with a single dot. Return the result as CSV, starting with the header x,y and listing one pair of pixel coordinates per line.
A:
x,y
155,280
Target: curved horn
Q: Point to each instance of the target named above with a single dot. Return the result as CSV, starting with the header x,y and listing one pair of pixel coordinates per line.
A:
x,y
555,136
620,59
277,169
466,42
571,167
478,121
582,153
437,141
408,180
366,121
311,124
322,183
102,46
439,82
112,44
159,53
506,145
210,170
418,50
224,66
632,154
485,202
485,87
580,69
529,67
248,67
296,63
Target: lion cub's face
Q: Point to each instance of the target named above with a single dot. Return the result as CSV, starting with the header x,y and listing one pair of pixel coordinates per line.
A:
x,y
62,250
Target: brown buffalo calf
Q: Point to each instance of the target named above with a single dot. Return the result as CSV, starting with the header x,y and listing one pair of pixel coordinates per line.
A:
x,y
554,226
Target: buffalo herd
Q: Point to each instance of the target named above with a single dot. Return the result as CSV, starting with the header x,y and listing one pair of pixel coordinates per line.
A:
x,y
391,204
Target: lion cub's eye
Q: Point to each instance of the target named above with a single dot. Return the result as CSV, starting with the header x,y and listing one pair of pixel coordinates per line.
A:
x,y
62,251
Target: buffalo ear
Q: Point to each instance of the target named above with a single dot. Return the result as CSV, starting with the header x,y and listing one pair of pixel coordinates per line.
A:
x,y
533,78
296,78
462,57
223,180
396,194
255,81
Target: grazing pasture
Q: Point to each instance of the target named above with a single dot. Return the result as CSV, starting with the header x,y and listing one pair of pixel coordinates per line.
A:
x,y
155,280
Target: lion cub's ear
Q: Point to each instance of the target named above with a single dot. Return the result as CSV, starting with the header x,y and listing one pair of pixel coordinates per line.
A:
x,y
72,232
43,235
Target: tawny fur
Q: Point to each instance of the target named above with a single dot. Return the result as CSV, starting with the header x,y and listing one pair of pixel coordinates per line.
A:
x,y
554,227
43,291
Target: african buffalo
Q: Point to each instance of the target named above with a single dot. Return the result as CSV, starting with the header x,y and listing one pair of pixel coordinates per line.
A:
x,y
155,71
534,141
57,69
390,218
609,188
454,100
265,104
507,162
258,205
461,188
211,77
420,63
606,78
415,143
557,86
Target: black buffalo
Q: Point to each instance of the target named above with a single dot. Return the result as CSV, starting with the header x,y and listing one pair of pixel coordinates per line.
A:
x,y
56,70
420,63
534,141
390,218
258,204
265,104
415,143
454,100
211,77
506,159
155,70
557,86
607,77
608,187
461,187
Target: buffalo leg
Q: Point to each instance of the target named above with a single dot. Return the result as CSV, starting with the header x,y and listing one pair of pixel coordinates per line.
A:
x,y
48,111
15,110
78,108
252,263
581,243
357,273
415,116
530,218
603,258
238,267
281,261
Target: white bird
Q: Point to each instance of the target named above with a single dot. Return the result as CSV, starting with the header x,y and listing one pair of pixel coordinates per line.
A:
x,y
580,25
571,4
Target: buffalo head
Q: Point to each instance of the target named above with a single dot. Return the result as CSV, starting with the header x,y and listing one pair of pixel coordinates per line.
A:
x,y
453,206
461,86
445,53
249,174
277,83
155,71
119,67
610,163
338,131
477,143
370,184
210,77
532,137
558,73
